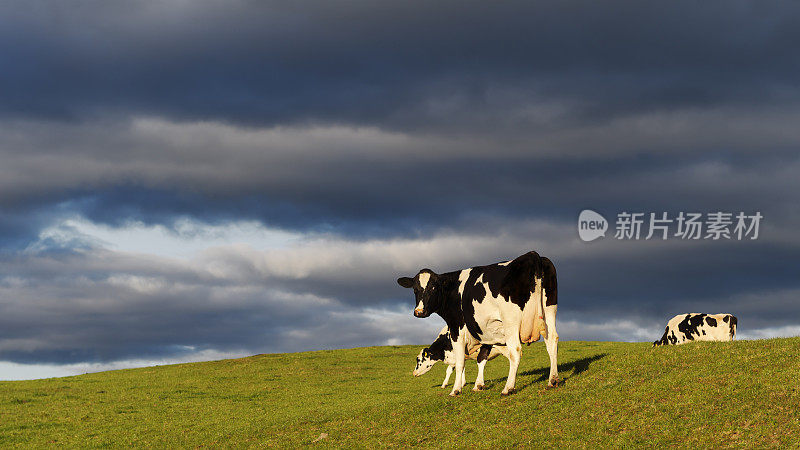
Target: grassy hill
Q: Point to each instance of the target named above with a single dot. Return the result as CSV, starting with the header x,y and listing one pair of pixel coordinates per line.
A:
x,y
742,393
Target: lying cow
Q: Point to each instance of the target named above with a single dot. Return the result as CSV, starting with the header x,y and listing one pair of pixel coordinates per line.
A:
x,y
442,350
684,328
505,303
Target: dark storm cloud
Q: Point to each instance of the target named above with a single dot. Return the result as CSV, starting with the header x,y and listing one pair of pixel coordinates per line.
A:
x,y
393,136
384,198
409,64
99,306
106,306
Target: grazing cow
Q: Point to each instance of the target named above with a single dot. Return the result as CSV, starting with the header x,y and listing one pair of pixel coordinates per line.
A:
x,y
505,303
442,350
684,328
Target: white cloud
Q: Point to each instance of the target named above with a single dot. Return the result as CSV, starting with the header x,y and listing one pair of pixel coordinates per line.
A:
x,y
16,371
185,239
248,287
771,332
613,330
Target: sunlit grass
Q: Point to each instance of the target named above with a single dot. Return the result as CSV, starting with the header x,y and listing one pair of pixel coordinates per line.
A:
x,y
742,393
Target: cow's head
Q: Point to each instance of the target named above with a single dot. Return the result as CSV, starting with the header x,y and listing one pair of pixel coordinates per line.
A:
x,y
440,350
425,360
426,289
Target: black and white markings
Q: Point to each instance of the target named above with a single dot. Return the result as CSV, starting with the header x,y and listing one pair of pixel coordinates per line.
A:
x,y
441,350
685,328
505,303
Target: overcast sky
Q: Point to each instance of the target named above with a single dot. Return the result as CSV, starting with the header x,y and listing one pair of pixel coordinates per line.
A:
x,y
197,180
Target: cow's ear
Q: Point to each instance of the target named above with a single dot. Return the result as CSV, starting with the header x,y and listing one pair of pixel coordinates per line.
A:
x,y
405,282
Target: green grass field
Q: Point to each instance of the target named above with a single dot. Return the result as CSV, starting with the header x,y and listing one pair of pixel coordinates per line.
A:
x,y
731,394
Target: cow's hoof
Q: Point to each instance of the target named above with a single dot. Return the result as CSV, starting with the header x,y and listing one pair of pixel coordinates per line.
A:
x,y
479,387
554,383
455,393
508,392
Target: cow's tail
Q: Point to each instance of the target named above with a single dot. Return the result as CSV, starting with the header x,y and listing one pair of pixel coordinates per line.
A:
x,y
548,298
532,325
539,328
529,267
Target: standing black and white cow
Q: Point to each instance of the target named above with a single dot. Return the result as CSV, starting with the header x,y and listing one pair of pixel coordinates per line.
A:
x,y
685,328
504,303
442,350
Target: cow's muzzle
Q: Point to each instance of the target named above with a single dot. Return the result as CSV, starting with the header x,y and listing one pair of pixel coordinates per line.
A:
x,y
419,313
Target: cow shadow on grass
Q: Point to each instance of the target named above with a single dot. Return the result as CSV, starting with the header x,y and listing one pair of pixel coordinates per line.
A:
x,y
576,367
565,372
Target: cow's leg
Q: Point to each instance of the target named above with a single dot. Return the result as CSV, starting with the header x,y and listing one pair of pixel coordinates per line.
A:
x,y
484,354
463,375
479,385
447,376
514,355
459,356
551,342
